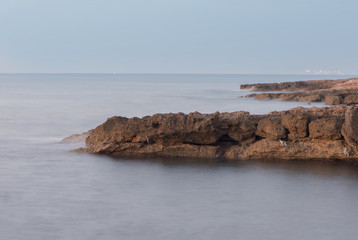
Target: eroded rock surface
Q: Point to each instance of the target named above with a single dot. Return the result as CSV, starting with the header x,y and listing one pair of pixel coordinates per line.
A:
x,y
326,128
172,130
333,100
296,122
271,128
350,128
300,133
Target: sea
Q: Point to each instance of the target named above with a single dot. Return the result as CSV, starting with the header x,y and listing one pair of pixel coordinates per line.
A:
x,y
48,192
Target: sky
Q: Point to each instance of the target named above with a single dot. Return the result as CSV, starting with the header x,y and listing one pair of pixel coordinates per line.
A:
x,y
179,36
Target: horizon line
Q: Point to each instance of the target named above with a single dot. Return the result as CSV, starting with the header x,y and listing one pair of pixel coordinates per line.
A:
x,y
163,73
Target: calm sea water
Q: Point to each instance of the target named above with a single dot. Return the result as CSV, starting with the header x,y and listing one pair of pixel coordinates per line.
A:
x,y
47,192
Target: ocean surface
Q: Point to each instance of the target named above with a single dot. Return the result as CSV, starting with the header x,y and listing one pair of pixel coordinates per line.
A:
x,y
47,192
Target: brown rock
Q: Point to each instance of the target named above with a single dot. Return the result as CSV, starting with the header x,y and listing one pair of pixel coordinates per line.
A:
x,y
271,128
332,100
294,86
350,128
80,150
326,128
296,122
158,150
267,149
288,96
165,129
352,83
242,130
351,99
330,91
172,129
310,98
232,135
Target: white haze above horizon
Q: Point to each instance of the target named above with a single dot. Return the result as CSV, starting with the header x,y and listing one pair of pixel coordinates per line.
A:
x,y
172,36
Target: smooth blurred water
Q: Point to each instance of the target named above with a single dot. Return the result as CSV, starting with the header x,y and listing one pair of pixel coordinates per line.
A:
x,y
47,192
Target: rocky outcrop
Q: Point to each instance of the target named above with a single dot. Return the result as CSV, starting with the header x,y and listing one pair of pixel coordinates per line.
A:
x,y
300,133
332,92
172,130
299,85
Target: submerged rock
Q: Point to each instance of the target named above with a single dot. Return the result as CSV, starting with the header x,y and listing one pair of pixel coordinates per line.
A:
x,y
76,138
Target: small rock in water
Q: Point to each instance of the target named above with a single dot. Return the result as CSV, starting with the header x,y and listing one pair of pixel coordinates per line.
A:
x,y
76,138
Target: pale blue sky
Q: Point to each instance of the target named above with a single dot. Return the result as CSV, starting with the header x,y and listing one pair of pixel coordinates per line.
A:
x,y
178,36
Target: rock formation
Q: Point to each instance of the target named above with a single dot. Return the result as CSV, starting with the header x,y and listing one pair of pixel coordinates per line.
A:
x,y
306,134
350,128
294,86
332,92
76,138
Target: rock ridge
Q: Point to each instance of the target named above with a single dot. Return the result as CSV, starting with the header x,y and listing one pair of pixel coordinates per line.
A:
x,y
298,134
332,92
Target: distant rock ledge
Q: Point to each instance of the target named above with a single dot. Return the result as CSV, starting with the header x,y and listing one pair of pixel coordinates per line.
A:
x,y
332,92
326,134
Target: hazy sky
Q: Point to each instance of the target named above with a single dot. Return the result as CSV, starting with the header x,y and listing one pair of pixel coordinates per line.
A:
x,y
178,36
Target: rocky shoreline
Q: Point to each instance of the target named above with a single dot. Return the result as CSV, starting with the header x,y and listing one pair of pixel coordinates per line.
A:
x,y
332,92
325,134
307,134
